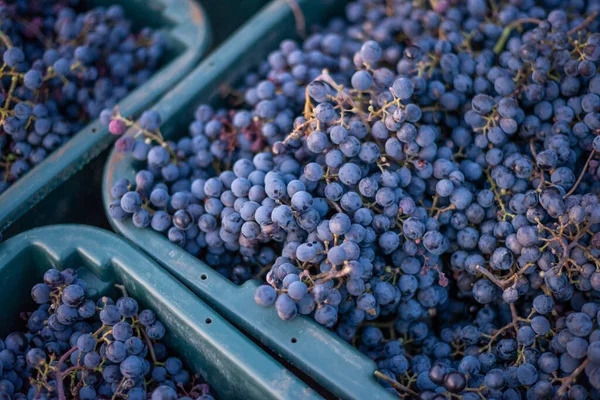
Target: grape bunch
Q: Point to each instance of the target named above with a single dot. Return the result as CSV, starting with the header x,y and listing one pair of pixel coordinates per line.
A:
x,y
420,178
60,68
185,188
492,353
76,347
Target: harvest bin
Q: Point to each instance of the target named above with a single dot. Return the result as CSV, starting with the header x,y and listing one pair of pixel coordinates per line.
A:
x,y
234,366
188,34
322,355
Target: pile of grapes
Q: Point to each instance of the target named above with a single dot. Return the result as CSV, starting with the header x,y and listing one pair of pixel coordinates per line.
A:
x,y
421,177
78,348
60,68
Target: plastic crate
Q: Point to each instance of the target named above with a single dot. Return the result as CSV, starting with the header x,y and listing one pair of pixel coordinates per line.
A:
x,y
187,30
319,353
231,363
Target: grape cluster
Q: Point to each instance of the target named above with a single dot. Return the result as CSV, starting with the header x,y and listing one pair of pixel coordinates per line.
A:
x,y
493,353
186,187
76,347
60,68
402,169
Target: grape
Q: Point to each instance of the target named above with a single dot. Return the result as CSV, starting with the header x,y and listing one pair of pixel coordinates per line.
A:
x,y
35,357
297,290
577,347
92,359
89,393
66,315
160,221
362,80
53,278
502,259
159,374
325,113
73,295
173,365
156,330
86,343
455,382
122,331
265,296
339,224
579,324
41,293
494,379
370,52
540,325
116,352
86,309
110,315
286,308
164,393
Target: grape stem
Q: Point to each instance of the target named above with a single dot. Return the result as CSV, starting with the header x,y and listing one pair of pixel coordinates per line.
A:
x,y
389,8
508,30
566,252
149,343
5,39
570,192
532,148
122,289
515,317
59,373
157,137
502,284
34,29
335,205
395,384
568,380
585,23
294,135
343,95
118,391
298,17
513,324
13,85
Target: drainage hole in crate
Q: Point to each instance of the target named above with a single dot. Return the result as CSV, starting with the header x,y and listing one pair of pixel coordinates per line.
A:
x,y
208,320
203,277
294,340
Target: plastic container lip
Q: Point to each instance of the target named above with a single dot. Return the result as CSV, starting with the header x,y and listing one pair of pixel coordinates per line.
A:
x,y
234,366
187,29
319,353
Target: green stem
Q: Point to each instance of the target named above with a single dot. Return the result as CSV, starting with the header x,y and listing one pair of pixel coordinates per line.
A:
x,y
508,30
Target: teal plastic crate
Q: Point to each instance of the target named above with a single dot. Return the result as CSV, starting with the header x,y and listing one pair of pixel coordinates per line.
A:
x,y
231,363
323,356
187,29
